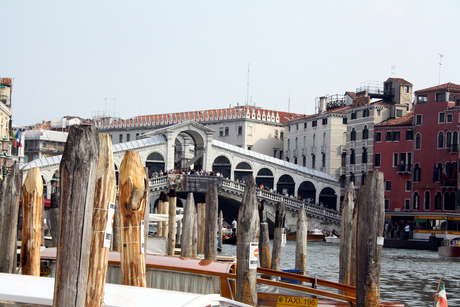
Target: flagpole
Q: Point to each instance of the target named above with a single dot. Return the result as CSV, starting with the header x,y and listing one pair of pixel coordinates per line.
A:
x,y
437,291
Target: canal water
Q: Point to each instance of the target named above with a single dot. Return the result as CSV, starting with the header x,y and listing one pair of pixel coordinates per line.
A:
x,y
407,276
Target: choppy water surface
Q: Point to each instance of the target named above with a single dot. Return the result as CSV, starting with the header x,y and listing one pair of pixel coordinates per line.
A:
x,y
407,276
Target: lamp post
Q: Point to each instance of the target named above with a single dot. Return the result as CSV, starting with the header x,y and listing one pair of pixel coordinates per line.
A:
x,y
5,159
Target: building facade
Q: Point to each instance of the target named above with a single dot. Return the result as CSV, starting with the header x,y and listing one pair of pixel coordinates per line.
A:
x,y
43,143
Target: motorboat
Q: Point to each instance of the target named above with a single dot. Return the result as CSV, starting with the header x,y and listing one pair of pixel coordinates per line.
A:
x,y
315,235
332,239
450,248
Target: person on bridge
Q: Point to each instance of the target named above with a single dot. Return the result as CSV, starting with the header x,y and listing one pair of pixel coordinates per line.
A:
x,y
234,225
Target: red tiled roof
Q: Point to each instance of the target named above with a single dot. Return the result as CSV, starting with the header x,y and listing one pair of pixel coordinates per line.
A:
x,y
401,81
5,81
445,86
405,120
351,94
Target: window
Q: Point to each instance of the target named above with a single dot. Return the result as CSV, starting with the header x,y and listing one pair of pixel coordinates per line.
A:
x,y
388,136
289,128
304,161
387,204
449,117
274,153
352,157
296,126
409,135
221,131
276,134
240,131
377,162
128,137
249,147
282,135
387,185
296,143
417,173
352,178
289,144
418,141
378,112
120,138
353,134
363,178
399,113
365,113
408,185
323,160
295,160
324,121
313,162
407,204
448,139
416,201
418,119
427,200
406,89
344,159
378,136
353,115
422,98
137,135
226,131
364,156
281,154
396,136
395,159
313,123
305,125
438,201
249,130
440,97
365,133
441,139
344,120
441,118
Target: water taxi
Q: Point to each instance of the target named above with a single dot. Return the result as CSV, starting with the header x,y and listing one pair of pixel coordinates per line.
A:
x,y
450,248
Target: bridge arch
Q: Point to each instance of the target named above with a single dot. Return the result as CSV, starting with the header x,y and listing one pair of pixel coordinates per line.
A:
x,y
265,177
155,162
328,198
222,165
286,184
307,191
243,170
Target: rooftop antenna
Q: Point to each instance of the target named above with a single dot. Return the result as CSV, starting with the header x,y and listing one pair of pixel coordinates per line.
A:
x,y
247,90
289,100
105,111
114,103
393,68
440,58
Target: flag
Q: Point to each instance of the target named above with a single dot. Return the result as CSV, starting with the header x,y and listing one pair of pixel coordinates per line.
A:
x,y
17,139
444,175
435,173
441,297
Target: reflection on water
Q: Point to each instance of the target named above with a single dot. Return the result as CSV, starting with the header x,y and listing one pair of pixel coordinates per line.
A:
x,y
408,276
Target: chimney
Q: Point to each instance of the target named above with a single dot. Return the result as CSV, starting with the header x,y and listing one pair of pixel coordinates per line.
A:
x,y
322,105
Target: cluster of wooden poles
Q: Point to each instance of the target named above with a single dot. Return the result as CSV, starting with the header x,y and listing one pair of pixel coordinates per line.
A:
x,y
88,192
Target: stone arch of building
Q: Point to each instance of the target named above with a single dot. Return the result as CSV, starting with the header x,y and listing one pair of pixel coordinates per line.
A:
x,y
328,198
155,162
223,165
265,177
243,170
286,184
307,191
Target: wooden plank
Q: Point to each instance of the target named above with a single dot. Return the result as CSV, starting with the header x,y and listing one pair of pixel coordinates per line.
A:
x,y
105,191
78,174
132,200
301,241
346,234
172,222
32,198
277,235
371,218
210,236
187,233
248,232
10,221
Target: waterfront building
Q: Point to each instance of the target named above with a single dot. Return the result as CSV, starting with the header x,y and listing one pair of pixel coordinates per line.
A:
x,y
372,105
43,143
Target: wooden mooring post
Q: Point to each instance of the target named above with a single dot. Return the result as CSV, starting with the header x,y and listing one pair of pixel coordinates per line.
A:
x,y
220,230
172,222
247,246
210,236
264,239
201,212
105,196
187,233
132,202
346,233
54,218
277,235
32,197
301,241
371,217
78,174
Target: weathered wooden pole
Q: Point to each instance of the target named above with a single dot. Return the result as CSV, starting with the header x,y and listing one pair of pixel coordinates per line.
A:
x,y
8,258
301,241
43,222
54,219
2,204
201,211
346,234
165,210
116,242
32,195
354,235
105,196
147,212
78,174
219,231
210,235
132,200
264,242
172,222
277,235
195,235
371,217
187,233
247,246
160,224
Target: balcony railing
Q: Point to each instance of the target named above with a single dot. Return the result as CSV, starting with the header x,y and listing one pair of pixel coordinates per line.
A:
x,y
454,148
405,169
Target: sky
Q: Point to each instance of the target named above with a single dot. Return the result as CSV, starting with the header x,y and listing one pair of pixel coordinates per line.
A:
x,y
131,58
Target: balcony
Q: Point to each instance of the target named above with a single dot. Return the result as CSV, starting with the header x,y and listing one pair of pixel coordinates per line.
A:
x,y
454,148
304,151
449,184
404,169
313,150
295,152
343,148
323,148
351,168
364,143
352,144
363,167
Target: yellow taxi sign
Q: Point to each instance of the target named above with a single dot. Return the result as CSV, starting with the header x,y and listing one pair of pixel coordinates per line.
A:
x,y
44,271
292,301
